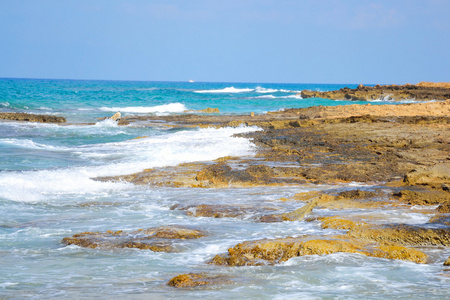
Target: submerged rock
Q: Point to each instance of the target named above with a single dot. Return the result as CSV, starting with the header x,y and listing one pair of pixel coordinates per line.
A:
x,y
221,211
32,118
157,239
295,215
195,280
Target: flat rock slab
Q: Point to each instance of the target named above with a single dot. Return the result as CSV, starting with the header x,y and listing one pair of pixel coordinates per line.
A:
x,y
31,118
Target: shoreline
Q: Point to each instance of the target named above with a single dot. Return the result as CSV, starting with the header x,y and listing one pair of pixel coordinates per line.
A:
x,y
400,153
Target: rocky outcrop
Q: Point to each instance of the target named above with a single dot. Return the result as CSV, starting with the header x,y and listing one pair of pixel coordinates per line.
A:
x,y
385,92
194,280
158,239
25,117
273,251
403,234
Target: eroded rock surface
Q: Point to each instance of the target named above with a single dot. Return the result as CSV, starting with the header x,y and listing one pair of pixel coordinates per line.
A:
x,y
158,239
274,251
26,117
194,280
386,92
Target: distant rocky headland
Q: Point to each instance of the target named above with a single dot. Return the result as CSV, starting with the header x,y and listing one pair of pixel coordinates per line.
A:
x,y
420,91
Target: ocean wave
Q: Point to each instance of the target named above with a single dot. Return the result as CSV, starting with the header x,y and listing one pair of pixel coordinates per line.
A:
x,y
165,108
29,144
4,104
278,97
228,90
262,90
106,123
120,158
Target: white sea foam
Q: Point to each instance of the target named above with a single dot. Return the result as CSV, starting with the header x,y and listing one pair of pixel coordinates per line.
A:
x,y
230,90
124,158
262,90
265,97
5,104
165,108
278,97
106,123
26,143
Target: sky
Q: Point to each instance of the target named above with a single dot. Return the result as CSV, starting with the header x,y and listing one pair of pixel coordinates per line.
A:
x,y
291,41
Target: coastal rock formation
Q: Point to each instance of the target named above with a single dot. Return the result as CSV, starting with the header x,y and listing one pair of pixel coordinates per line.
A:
x,y
158,239
222,211
194,280
421,91
403,234
273,251
31,118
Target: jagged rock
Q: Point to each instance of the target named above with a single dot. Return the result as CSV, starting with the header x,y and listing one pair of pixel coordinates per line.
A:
x,y
32,118
157,239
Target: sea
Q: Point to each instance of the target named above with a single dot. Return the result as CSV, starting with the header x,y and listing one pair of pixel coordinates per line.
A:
x,y
47,192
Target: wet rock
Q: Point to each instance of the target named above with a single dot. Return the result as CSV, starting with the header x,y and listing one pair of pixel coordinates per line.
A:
x,y
339,223
158,239
404,234
447,262
262,252
32,118
223,174
424,196
194,280
216,211
296,215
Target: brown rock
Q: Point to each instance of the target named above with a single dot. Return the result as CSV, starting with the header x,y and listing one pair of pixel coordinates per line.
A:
x,y
156,239
447,262
407,91
436,175
261,252
194,280
296,215
404,234
31,118
209,110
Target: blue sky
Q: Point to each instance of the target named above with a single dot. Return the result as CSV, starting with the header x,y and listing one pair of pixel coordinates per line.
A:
x,y
303,41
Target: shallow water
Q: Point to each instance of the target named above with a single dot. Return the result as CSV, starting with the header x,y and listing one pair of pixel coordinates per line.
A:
x,y
46,194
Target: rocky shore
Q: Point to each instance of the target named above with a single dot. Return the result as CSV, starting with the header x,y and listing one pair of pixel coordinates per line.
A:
x,y
400,154
420,91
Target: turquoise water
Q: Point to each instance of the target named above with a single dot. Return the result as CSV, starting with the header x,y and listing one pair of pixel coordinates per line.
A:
x,y
46,194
